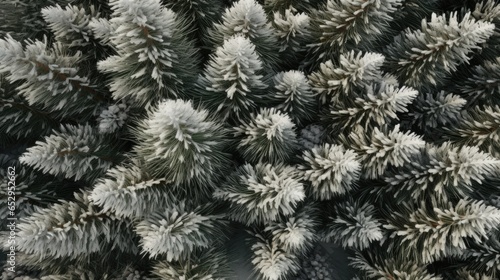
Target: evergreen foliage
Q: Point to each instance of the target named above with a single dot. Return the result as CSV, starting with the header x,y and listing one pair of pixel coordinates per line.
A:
x,y
128,191
210,265
477,127
354,226
427,56
297,233
72,230
341,24
436,110
152,39
443,230
177,231
331,170
294,96
247,18
74,152
269,137
271,261
383,148
355,71
49,76
293,31
231,83
181,144
70,25
199,13
444,172
144,137
482,86
261,193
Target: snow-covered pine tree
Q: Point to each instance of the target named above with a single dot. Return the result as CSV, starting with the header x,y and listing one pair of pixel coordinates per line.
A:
x,y
261,193
293,94
342,25
182,145
154,57
268,137
426,57
145,133
232,84
247,18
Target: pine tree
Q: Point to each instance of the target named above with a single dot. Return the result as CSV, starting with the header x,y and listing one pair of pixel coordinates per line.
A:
x,y
354,225
269,137
261,193
231,83
294,95
342,24
442,231
50,77
331,170
75,152
247,18
154,57
426,57
182,144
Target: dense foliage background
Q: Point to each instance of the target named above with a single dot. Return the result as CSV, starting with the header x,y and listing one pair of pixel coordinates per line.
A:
x,y
145,134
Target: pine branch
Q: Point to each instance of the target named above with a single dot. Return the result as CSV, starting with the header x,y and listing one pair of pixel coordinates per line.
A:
x,y
293,32
128,191
378,107
261,193
331,170
381,149
388,267
294,96
209,264
184,145
176,231
271,262
427,56
341,25
338,84
432,110
355,225
70,25
434,233
232,84
155,59
74,152
270,137
69,230
296,234
482,87
445,172
247,18
50,77
477,127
